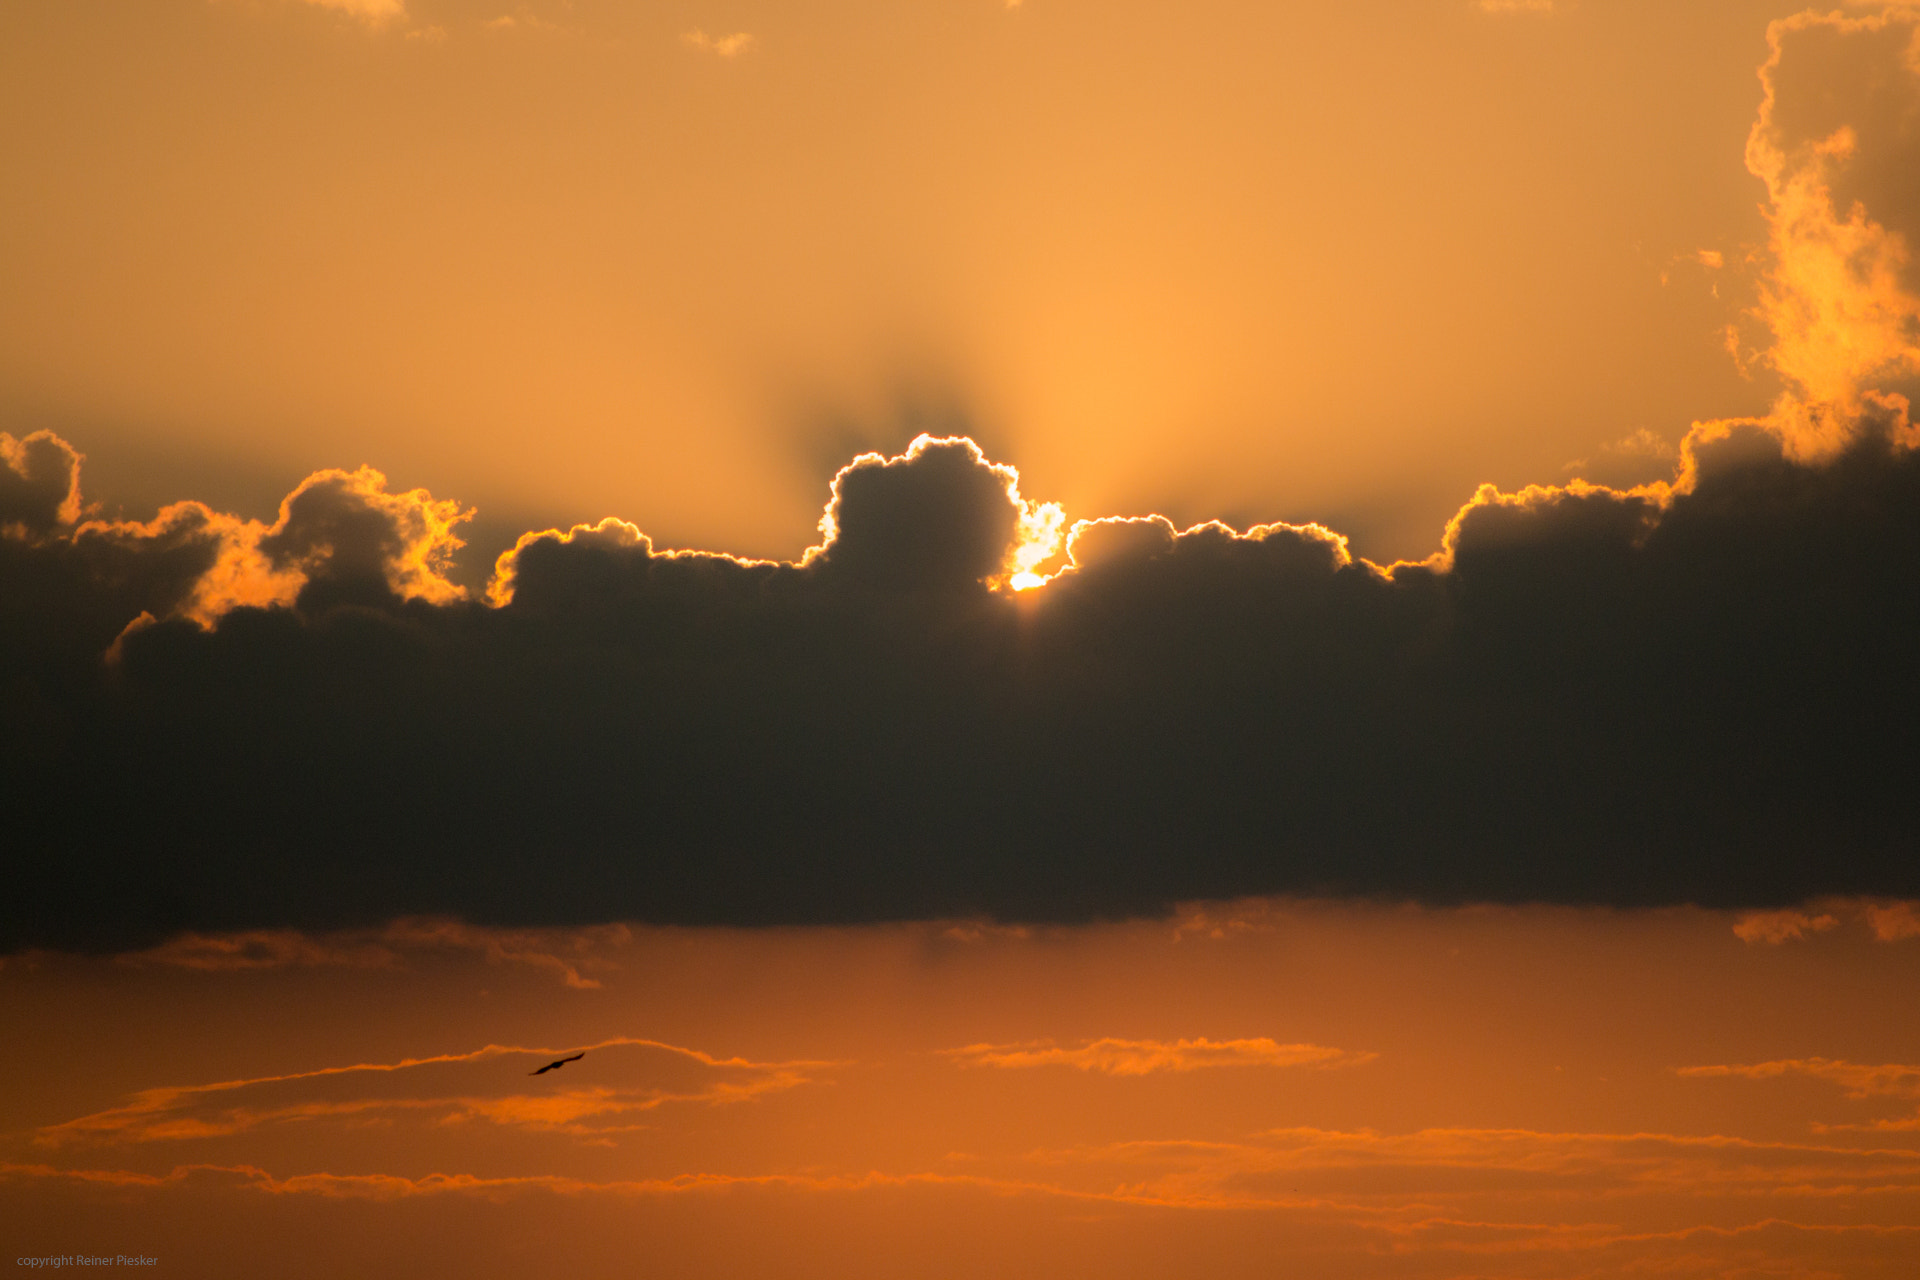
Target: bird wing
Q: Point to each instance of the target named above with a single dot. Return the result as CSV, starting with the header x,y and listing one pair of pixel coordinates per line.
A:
x,y
560,1063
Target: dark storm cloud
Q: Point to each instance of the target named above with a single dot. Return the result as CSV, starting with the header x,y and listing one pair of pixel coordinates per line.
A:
x,y
1699,694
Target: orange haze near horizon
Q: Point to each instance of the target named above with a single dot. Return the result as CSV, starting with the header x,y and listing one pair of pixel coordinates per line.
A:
x,y
1243,1089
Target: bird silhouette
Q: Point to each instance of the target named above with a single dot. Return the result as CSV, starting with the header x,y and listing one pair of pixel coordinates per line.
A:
x,y
553,1066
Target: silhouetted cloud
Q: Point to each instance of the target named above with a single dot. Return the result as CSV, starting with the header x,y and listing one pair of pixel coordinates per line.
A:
x,y
1697,689
39,483
1694,691
939,517
342,531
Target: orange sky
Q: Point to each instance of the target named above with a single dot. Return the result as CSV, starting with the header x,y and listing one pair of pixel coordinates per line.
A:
x,y
565,260
1317,1089
677,264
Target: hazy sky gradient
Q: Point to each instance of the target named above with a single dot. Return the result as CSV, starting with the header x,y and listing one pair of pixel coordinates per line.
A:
x,y
1330,1091
1335,262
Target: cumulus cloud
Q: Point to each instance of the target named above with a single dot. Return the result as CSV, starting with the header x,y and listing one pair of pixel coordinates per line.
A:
x,y
1696,687
938,517
1694,690
342,530
338,533
1835,146
39,483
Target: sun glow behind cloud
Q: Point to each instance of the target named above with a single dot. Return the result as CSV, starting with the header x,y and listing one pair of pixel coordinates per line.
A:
x,y
1095,234
1697,638
1837,298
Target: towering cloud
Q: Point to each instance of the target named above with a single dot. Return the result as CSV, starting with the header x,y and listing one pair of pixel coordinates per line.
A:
x,y
1836,147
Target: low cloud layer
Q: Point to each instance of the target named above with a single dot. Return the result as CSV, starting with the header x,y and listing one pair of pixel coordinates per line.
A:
x,y
1687,692
1694,690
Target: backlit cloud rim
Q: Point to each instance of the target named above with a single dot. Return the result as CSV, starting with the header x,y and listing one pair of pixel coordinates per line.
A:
x,y
959,704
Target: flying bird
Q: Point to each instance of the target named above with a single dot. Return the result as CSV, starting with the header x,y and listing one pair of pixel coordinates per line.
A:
x,y
553,1066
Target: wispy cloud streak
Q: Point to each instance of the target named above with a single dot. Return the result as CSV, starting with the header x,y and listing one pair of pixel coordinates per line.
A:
x,y
1117,1057
206,1110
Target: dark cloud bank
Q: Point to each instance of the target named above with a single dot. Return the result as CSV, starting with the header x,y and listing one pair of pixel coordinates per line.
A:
x,y
1708,696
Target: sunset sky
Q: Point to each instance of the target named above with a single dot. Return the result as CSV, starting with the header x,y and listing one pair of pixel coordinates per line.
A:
x,y
1067,639
1284,261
